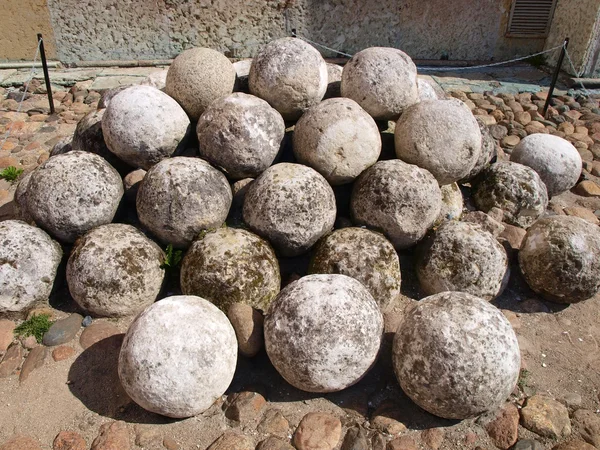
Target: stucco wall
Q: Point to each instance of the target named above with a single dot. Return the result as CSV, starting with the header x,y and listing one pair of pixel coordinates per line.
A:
x,y
20,22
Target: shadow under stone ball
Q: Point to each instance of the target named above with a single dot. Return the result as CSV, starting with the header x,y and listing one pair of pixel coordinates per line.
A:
x,y
514,188
364,255
334,80
290,205
289,74
441,136
556,160
115,271
338,139
231,265
323,332
179,197
456,355
399,199
197,77
143,126
560,259
463,257
241,134
29,260
72,193
178,356
382,80
489,150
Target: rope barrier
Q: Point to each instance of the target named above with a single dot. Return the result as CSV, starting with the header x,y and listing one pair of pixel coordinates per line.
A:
x,y
31,73
577,74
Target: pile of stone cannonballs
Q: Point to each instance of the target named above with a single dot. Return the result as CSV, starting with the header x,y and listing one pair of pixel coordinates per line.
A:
x,y
246,171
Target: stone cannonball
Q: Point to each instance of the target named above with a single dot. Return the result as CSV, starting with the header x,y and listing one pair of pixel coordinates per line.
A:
x,y
382,80
426,90
115,271
178,356
290,74
461,256
489,150
291,206
555,160
364,255
452,203
231,265
338,139
29,259
441,136
21,211
179,197
72,193
323,332
241,134
399,199
197,77
456,355
514,188
560,258
143,126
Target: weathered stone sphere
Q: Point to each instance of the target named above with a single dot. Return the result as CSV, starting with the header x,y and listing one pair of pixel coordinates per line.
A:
x,y
21,211
515,189
72,193
180,197
441,136
289,74
115,271
382,80
178,356
29,259
291,206
461,256
456,355
560,258
401,200
197,77
240,133
452,203
338,139
555,160
143,126
364,255
231,265
426,90
323,332
489,150
156,79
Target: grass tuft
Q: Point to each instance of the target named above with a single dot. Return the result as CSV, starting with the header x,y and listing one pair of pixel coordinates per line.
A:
x,y
11,173
172,258
37,326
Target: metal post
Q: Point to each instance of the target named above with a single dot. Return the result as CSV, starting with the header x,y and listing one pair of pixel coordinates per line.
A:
x,y
555,76
46,76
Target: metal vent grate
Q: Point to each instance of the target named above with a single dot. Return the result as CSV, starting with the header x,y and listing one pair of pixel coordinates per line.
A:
x,y
530,18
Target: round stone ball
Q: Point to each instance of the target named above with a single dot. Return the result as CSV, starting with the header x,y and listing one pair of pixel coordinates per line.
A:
x,y
21,211
426,90
489,150
156,79
323,332
452,203
115,271
241,134
401,200
338,139
514,188
29,259
556,160
178,356
291,206
441,136
142,126
179,197
382,80
461,256
72,193
289,74
197,77
560,258
231,265
364,255
456,355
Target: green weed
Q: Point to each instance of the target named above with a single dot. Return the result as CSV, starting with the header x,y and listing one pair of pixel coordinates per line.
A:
x,y
11,173
36,326
172,258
